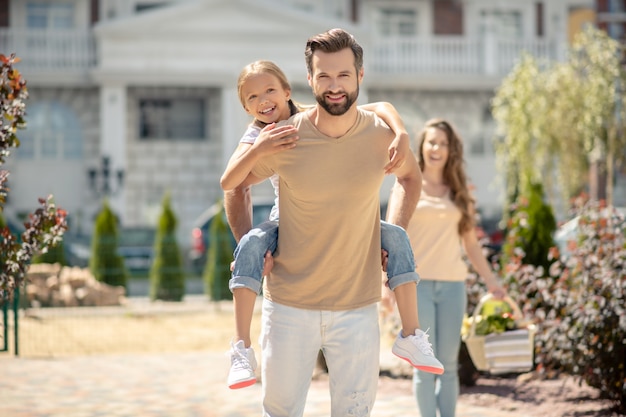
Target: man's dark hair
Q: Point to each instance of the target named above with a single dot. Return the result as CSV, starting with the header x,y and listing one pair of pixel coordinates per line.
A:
x,y
333,40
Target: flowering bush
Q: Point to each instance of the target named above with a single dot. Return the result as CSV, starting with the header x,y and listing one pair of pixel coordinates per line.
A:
x,y
579,303
46,225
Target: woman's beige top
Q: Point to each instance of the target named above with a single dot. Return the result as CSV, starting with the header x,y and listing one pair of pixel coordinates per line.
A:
x,y
435,239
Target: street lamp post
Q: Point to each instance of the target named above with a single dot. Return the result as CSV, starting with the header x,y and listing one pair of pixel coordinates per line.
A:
x,y
103,181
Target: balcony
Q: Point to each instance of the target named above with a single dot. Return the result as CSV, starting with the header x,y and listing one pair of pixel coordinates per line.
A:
x,y
50,51
65,52
455,55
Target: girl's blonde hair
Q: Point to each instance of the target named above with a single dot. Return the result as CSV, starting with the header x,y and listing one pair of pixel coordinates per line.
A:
x,y
263,67
454,171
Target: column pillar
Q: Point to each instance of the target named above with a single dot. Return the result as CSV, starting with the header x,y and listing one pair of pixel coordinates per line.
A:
x,y
113,137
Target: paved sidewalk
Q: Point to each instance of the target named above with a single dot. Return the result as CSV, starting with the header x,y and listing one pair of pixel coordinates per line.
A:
x,y
164,385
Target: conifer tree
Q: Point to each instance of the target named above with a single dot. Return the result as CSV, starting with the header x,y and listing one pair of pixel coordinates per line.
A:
x,y
220,254
167,278
105,263
531,229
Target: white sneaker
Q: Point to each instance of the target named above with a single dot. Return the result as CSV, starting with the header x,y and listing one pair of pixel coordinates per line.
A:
x,y
417,350
242,366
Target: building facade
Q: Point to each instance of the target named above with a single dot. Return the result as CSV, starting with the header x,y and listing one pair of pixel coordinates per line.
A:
x,y
130,99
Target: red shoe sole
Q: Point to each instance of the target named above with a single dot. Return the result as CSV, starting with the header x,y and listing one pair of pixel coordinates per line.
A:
x,y
429,369
243,384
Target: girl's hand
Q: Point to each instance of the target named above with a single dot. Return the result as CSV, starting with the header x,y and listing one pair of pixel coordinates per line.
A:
x,y
274,139
398,151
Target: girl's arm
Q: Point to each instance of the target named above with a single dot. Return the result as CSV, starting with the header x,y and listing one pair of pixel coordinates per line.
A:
x,y
240,164
400,147
271,139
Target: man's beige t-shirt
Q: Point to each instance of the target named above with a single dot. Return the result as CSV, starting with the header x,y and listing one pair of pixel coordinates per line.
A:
x,y
328,255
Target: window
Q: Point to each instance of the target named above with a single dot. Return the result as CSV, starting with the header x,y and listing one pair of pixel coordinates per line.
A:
x,y
394,22
477,145
174,119
147,6
45,15
616,6
52,133
506,24
331,8
616,29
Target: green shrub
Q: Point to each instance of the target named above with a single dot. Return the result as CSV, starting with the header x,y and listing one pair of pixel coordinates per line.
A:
x,y
530,229
579,306
220,255
105,263
167,279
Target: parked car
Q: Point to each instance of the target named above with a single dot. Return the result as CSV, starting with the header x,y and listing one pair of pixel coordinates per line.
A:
x,y
77,249
136,246
569,232
200,230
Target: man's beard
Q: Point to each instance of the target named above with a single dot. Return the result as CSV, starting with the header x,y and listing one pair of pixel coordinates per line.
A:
x,y
337,109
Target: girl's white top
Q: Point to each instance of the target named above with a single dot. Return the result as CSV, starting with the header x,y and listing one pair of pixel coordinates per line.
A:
x,y
250,136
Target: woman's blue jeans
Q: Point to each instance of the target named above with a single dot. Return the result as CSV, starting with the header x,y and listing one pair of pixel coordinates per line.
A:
x,y
440,306
251,250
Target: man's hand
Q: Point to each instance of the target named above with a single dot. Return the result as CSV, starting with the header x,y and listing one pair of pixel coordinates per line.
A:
x,y
268,264
384,258
388,299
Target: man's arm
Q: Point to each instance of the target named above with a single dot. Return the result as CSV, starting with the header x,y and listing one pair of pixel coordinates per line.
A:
x,y
238,208
405,192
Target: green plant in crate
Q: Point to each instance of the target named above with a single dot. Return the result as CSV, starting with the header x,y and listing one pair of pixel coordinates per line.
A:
x,y
495,316
495,323
167,279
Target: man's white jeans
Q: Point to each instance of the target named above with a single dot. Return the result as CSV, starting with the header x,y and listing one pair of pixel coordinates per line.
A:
x,y
291,339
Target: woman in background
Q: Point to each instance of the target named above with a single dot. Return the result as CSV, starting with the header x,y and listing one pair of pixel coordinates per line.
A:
x,y
441,231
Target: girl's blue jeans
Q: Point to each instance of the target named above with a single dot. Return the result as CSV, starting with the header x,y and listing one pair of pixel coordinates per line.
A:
x,y
251,250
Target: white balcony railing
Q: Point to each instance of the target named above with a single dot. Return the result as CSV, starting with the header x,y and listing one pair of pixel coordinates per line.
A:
x,y
453,55
50,50
62,50
509,51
